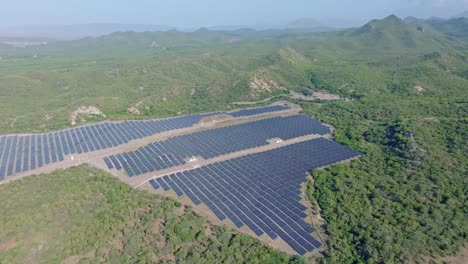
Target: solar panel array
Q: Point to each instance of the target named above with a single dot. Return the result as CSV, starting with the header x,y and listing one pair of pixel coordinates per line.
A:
x,y
211,143
261,191
19,153
257,111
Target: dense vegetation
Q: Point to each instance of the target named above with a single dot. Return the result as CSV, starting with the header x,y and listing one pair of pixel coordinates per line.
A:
x,y
406,111
83,214
406,197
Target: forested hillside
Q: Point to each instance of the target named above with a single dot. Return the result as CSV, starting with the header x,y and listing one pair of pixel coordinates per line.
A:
x,y
406,197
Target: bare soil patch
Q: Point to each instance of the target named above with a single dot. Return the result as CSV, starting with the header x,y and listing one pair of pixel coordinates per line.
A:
x,y
7,244
155,44
460,258
326,96
48,117
135,109
260,85
216,118
83,111
315,96
254,102
419,88
77,258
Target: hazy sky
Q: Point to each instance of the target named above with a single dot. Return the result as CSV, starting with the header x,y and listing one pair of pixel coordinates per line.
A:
x,y
194,13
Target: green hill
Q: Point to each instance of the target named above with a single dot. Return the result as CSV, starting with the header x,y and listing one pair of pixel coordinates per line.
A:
x,y
457,27
464,14
392,33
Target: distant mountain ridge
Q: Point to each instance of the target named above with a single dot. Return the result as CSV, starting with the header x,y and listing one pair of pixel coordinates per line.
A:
x,y
380,32
391,34
390,23
76,31
457,27
464,14
304,23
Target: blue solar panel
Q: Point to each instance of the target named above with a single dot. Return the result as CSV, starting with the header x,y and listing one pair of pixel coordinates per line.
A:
x,y
75,143
124,164
123,132
26,153
70,141
108,163
39,149
257,111
163,184
62,142
91,139
261,190
19,155
82,139
105,132
2,155
2,143
101,137
154,184
115,163
33,152
220,141
11,155
52,147
46,149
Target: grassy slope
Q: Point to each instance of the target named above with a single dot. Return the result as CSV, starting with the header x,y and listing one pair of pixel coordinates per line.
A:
x,y
175,80
87,215
457,27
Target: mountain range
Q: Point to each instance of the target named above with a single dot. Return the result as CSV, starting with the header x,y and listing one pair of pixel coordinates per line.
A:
x,y
391,32
464,14
75,31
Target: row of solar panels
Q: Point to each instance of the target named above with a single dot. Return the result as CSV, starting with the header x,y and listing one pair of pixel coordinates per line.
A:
x,y
22,153
257,111
211,143
261,191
